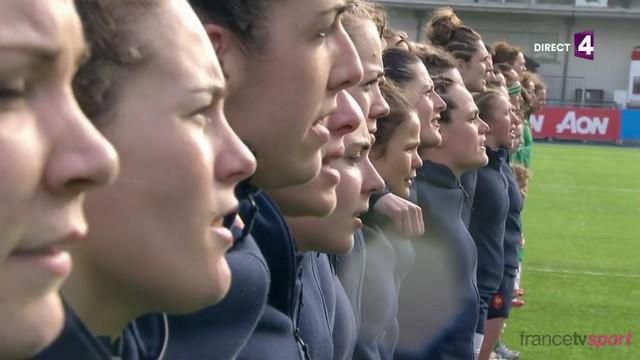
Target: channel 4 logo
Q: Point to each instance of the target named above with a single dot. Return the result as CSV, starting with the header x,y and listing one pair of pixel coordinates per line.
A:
x,y
584,44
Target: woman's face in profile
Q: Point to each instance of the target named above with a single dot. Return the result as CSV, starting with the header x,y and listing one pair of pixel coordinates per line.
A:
x,y
180,164
50,155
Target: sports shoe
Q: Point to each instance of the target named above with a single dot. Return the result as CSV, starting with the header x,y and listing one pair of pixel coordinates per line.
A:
x,y
518,303
503,352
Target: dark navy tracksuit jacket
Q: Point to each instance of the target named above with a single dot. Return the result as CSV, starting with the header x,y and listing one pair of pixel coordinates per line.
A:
x,y
277,335
327,322
440,195
77,342
487,227
318,308
468,181
222,330
513,227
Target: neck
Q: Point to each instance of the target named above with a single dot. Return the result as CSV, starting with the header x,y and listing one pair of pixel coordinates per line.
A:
x,y
440,156
492,143
304,242
102,308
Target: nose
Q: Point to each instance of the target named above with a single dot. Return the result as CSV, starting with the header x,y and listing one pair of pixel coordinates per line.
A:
x,y
438,103
483,127
379,106
347,117
81,158
346,68
233,160
371,180
416,162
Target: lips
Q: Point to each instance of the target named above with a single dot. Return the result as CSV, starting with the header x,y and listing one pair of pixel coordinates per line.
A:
x,y
219,221
410,180
47,246
357,221
320,131
482,145
49,260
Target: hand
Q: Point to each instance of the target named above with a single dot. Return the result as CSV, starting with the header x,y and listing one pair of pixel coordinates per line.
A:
x,y
405,215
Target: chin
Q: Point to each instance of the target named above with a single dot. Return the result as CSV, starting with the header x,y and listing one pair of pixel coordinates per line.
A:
x,y
35,325
483,161
343,246
221,284
287,172
197,294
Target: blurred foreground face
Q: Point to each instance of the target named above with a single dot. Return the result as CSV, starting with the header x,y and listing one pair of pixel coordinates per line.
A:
x,y
358,180
50,155
180,164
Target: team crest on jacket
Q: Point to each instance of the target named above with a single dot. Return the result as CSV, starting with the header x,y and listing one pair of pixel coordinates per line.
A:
x,y
497,301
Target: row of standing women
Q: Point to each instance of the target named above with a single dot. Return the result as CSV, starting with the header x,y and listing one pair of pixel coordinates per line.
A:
x,y
250,180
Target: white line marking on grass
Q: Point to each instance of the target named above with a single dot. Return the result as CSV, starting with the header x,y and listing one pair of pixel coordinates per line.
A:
x,y
581,187
575,272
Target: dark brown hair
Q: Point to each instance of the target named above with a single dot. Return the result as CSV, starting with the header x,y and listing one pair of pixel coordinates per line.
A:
x,y
486,103
507,71
445,29
365,10
400,110
389,33
442,86
115,49
397,65
505,53
435,59
246,19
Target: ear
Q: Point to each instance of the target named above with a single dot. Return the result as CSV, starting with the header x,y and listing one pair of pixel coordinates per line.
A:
x,y
228,49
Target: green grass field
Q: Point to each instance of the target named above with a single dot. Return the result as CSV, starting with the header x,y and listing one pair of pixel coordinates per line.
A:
x,y
582,261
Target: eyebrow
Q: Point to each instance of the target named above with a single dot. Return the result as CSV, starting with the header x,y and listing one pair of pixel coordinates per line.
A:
x,y
338,9
363,145
38,54
216,91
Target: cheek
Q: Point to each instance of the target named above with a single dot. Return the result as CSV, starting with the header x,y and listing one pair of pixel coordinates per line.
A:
x,y
22,161
425,109
349,188
401,161
361,98
173,192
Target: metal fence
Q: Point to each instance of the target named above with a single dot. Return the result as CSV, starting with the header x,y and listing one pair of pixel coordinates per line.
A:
x,y
576,93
